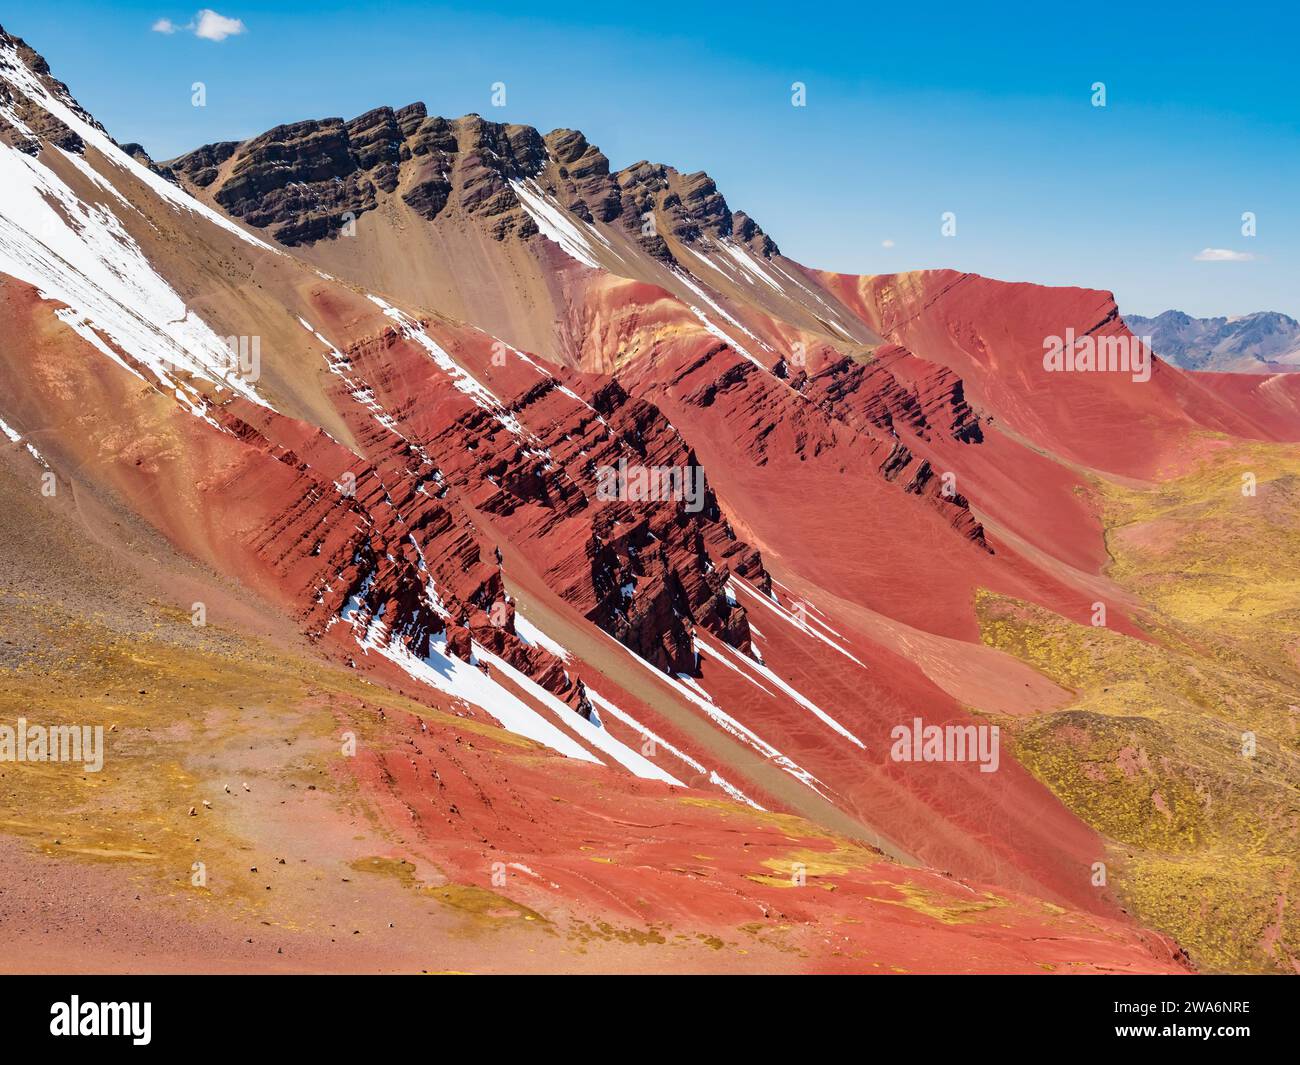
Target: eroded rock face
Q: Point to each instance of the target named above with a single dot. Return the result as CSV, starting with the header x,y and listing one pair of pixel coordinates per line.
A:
x,y
393,536
657,571
378,543
869,393
201,166
692,203
584,164
647,571
863,413
304,181
137,152
301,181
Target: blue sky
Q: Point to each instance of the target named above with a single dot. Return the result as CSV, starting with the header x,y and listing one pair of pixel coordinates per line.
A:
x,y
912,111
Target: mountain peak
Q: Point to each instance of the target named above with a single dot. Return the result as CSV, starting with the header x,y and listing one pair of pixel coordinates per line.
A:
x,y
1259,342
24,124
304,181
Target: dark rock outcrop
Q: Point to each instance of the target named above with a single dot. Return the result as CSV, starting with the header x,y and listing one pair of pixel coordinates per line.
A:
x,y
304,181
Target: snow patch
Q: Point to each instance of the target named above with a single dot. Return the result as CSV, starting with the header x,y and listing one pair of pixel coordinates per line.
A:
x,y
747,262
18,74
80,255
557,226
701,698
461,378
765,672
531,634
774,605
636,726
593,734
446,673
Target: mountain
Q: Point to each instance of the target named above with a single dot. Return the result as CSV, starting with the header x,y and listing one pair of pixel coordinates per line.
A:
x,y
1264,342
454,534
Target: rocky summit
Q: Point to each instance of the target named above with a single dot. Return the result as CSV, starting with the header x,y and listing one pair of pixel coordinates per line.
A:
x,y
306,181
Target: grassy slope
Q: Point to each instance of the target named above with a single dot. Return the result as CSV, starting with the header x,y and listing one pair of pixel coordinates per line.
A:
x,y
1155,750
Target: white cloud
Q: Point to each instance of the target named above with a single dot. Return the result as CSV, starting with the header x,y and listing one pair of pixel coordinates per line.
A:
x,y
1222,255
214,27
886,243
207,24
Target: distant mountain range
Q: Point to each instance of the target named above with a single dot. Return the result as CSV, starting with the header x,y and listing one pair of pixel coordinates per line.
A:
x,y
1263,342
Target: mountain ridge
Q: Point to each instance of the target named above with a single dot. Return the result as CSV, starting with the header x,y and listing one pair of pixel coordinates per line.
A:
x,y
407,150
1260,342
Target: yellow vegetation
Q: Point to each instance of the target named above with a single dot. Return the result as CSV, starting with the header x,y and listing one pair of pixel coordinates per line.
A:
x,y
1184,748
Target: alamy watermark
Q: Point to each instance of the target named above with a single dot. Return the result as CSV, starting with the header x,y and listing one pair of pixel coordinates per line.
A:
x,y
77,1018
919,742
240,358
53,743
1089,354
652,484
